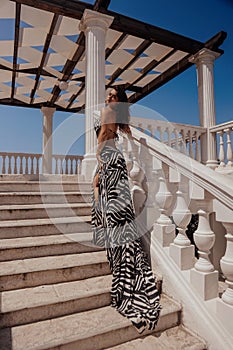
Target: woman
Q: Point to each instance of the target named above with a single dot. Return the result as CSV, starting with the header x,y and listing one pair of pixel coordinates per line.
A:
x,y
134,292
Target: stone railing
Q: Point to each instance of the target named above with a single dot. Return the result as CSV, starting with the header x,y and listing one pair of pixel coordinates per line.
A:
x,y
180,187
224,137
183,137
31,164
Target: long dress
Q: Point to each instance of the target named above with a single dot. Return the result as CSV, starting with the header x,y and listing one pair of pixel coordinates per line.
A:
x,y
134,293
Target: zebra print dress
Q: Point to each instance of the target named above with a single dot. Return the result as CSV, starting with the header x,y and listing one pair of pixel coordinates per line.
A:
x,y
134,293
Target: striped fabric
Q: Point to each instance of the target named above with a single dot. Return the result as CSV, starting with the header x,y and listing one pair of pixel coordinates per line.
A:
x,y
134,293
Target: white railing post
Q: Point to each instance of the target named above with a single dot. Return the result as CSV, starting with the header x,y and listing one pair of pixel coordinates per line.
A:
x,y
203,276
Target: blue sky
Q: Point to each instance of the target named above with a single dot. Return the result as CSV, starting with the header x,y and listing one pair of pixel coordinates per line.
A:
x,y
21,128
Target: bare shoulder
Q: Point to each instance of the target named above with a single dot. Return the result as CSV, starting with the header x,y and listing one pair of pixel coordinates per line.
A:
x,y
108,116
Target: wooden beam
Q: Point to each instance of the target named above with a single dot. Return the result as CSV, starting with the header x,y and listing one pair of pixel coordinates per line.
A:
x,y
17,103
101,4
121,23
137,52
171,73
149,68
16,45
69,66
44,56
68,8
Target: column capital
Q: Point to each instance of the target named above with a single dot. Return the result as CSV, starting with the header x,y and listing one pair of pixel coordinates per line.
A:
x,y
47,111
204,55
95,19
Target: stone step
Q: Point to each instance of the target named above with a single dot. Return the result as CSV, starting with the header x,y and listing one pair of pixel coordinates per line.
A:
x,y
44,197
41,186
90,330
43,227
29,305
175,338
52,269
32,247
41,211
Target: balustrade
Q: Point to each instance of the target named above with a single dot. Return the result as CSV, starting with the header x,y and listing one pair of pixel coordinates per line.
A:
x,y
199,191
182,137
224,136
30,164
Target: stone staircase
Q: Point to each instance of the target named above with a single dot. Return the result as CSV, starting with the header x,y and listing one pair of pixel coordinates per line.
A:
x,y
55,285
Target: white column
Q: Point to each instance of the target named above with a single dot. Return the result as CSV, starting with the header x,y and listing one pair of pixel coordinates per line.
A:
x,y
204,60
94,25
47,139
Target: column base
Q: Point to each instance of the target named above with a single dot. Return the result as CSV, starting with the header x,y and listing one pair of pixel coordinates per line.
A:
x,y
89,164
224,313
182,256
165,234
205,283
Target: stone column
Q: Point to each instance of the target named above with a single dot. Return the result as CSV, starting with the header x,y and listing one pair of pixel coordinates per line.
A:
x,y
47,139
204,60
94,25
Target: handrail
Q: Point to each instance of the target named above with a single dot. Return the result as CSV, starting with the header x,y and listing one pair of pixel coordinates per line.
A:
x,y
158,123
218,185
222,126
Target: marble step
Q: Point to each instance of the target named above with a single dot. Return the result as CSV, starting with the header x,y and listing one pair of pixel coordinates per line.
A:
x,y
29,305
90,330
41,211
175,338
44,197
40,186
52,269
32,247
43,227
35,304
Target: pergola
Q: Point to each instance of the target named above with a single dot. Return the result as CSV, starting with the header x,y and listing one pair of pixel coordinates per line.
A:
x,y
65,55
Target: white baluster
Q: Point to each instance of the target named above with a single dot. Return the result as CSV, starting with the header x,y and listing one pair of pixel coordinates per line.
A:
x,y
225,304
221,155
32,159
176,132
26,166
229,147
190,143
183,141
9,165
227,264
21,164
203,277
15,164
37,164
181,250
3,164
164,229
198,153
169,131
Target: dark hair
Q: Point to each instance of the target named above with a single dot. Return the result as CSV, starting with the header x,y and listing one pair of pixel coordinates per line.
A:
x,y
122,108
